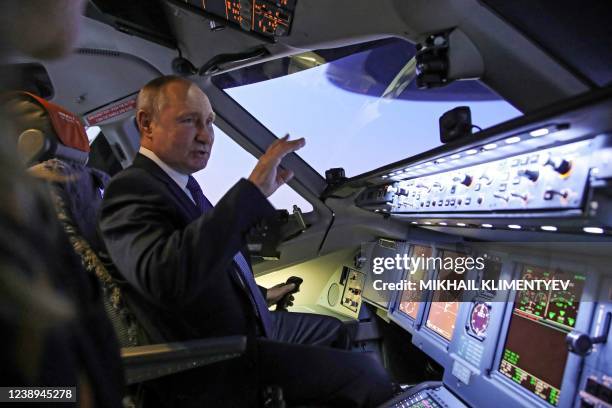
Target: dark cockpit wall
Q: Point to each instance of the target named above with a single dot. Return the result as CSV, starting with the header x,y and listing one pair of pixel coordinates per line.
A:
x,y
334,254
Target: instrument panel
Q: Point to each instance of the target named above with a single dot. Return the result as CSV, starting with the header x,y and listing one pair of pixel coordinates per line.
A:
x,y
510,344
270,18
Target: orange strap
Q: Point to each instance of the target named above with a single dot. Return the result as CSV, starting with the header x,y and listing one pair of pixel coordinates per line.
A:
x,y
67,125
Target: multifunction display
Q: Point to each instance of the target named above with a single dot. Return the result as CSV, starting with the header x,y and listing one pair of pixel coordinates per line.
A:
x,y
411,299
538,365
445,303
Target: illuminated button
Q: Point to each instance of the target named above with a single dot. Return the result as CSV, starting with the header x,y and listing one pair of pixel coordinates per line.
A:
x,y
427,203
468,201
477,188
440,203
453,189
503,187
446,202
452,202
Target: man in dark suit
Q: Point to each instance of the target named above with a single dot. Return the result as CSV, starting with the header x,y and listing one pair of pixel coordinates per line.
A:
x,y
186,265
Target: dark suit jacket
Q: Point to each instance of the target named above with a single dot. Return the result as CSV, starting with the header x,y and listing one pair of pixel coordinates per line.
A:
x,y
178,263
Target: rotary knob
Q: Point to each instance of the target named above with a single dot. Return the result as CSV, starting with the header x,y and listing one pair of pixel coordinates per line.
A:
x,y
561,166
531,175
466,179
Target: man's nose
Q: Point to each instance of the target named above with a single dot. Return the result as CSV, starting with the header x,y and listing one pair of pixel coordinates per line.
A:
x,y
204,135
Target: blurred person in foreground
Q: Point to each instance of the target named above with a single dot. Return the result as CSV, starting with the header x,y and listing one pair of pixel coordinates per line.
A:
x,y
55,330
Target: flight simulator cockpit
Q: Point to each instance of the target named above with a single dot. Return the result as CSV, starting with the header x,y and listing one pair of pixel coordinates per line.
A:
x,y
503,280
455,190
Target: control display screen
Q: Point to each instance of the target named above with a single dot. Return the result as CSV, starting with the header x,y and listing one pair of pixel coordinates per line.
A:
x,y
382,249
267,17
445,303
535,352
411,299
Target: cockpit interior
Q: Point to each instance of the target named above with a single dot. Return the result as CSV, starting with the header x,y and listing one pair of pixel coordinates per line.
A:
x,y
438,132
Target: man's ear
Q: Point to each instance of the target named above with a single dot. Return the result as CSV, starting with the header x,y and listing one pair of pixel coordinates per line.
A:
x,y
143,120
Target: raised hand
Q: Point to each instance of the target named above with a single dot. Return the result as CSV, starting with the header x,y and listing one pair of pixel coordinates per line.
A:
x,y
267,174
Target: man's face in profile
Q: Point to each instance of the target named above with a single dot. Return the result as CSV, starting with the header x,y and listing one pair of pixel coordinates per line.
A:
x,y
181,133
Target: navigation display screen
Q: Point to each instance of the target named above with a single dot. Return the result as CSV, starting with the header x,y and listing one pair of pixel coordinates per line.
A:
x,y
547,316
411,299
383,248
267,17
445,303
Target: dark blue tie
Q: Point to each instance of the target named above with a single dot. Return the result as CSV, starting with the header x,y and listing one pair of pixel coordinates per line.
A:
x,y
245,274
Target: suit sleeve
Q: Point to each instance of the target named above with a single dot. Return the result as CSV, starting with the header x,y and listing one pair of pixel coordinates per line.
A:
x,y
263,291
173,266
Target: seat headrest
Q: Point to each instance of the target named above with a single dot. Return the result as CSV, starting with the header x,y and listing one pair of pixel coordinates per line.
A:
x,y
46,130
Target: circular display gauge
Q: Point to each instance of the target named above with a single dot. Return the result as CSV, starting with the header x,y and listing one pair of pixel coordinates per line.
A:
x,y
479,319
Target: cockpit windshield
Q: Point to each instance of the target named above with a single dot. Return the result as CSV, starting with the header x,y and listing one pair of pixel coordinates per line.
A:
x,y
356,105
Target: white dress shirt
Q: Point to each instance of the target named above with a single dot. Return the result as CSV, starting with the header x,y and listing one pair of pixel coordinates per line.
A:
x,y
179,178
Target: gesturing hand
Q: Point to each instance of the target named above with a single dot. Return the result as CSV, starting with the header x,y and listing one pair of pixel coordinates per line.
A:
x,y
267,174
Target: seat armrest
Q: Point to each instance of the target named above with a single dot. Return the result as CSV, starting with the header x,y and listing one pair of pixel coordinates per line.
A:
x,y
145,363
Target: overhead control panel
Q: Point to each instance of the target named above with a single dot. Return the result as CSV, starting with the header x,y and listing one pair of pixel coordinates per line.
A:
x,y
271,18
554,178
546,172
